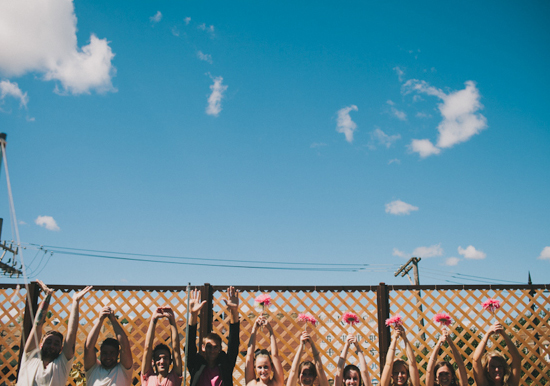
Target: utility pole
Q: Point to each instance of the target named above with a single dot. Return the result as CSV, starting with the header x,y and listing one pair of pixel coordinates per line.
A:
x,y
404,270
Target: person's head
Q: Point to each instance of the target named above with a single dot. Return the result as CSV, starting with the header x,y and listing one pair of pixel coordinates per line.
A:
x,y
400,372
51,345
495,368
211,347
162,358
445,374
352,376
263,365
108,353
307,373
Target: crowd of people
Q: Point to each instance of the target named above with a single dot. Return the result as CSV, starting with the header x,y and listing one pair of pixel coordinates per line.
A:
x,y
47,358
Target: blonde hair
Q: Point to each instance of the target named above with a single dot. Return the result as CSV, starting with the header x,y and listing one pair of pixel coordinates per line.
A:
x,y
405,365
501,359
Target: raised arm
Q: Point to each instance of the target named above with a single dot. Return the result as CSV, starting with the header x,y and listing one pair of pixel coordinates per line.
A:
x,y
293,374
249,374
385,379
146,360
232,302
515,373
278,372
430,374
365,374
339,378
414,377
126,359
479,375
323,381
195,305
90,357
70,337
462,374
176,352
33,340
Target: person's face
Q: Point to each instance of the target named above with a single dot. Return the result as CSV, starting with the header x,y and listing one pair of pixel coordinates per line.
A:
x,y
400,375
108,356
51,347
263,368
444,376
351,378
162,361
211,349
307,376
496,370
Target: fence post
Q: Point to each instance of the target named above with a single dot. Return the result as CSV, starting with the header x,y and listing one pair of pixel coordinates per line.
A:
x,y
31,306
206,312
384,334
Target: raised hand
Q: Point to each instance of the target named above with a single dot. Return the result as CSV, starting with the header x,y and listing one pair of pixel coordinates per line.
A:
x,y
79,295
105,312
305,337
232,299
45,288
195,304
169,314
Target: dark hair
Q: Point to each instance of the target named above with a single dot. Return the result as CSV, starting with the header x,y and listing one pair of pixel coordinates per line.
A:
x,y
308,365
405,365
262,352
349,368
451,370
162,347
111,342
54,333
215,337
499,357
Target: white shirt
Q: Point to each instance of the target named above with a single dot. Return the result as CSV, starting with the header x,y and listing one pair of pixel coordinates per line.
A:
x,y
117,376
33,373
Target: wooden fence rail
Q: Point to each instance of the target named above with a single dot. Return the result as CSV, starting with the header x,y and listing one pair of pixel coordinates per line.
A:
x,y
525,311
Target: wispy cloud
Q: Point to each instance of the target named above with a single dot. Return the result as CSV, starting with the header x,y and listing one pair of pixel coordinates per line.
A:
x,y
400,73
545,254
317,144
8,88
175,31
452,261
394,161
460,112
400,208
209,29
431,251
39,36
397,252
187,20
215,99
344,124
383,138
205,57
156,18
47,222
471,253
401,115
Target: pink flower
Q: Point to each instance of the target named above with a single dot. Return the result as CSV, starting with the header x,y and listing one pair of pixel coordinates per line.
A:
x,y
308,318
443,319
394,321
350,318
263,300
491,304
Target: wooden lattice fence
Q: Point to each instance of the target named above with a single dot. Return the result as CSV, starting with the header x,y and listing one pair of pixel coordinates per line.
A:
x,y
525,312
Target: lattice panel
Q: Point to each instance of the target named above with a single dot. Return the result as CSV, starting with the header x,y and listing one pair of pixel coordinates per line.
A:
x,y
12,309
133,309
525,316
329,334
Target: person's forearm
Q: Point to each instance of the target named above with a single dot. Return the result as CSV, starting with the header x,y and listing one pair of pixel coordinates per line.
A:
x,y
411,360
125,352
68,347
430,376
293,373
148,352
462,375
176,347
36,332
274,348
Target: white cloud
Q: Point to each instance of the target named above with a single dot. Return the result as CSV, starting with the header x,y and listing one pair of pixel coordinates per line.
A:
x,y
452,261
395,160
215,99
423,147
8,88
205,57
398,113
40,36
344,124
422,115
47,222
545,254
400,73
187,20
471,253
175,31
156,18
432,251
383,138
317,144
21,222
460,112
209,29
397,252
399,207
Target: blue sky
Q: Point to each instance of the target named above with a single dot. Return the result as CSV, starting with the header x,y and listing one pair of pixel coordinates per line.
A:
x,y
333,135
